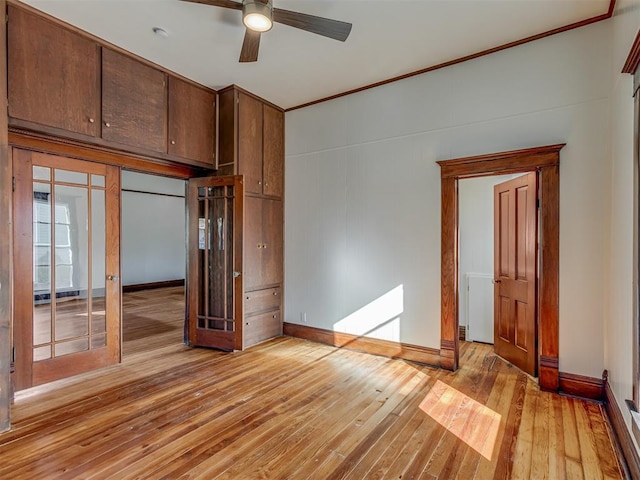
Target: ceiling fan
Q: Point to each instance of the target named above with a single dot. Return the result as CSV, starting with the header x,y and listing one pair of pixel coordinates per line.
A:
x,y
258,17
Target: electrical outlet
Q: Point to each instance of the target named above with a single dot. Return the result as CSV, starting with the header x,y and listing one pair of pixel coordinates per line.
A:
x,y
303,317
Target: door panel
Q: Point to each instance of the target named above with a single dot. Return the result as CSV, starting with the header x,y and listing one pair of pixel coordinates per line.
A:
x,y
515,234
214,219
254,237
250,136
67,314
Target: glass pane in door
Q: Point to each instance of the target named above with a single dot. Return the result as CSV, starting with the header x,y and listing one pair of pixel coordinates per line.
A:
x,y
42,266
69,263
215,248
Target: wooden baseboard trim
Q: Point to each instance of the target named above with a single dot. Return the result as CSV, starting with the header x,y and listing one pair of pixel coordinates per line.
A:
x,y
152,285
580,386
627,453
414,353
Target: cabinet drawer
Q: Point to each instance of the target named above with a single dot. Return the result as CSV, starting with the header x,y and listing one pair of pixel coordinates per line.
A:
x,y
261,300
261,327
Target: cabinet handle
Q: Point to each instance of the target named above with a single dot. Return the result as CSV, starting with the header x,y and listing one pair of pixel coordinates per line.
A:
x,y
247,323
259,183
91,120
247,298
107,124
173,142
264,245
275,293
266,184
259,245
275,316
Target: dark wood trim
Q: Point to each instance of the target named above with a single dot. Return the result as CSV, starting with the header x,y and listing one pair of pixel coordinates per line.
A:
x,y
43,131
449,343
633,60
386,348
102,42
627,453
549,276
546,161
482,53
70,149
581,386
138,287
6,285
513,161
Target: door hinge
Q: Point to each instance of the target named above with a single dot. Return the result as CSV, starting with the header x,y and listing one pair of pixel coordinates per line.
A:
x,y
537,203
13,184
13,354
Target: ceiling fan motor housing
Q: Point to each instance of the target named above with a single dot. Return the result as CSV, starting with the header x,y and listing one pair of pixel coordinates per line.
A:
x,y
258,15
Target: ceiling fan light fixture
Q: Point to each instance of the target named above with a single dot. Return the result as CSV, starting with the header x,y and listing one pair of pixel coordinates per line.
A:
x,y
257,16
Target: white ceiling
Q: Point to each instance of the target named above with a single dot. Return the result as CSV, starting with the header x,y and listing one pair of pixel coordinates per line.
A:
x,y
389,38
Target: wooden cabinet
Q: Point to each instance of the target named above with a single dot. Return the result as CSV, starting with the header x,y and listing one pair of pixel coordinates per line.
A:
x,y
192,122
53,75
251,142
263,246
263,326
134,109
64,83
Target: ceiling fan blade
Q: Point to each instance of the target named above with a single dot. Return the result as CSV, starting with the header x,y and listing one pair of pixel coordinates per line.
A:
x,y
250,46
322,26
219,3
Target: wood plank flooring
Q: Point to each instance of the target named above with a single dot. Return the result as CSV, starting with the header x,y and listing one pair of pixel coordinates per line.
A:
x,y
291,409
152,319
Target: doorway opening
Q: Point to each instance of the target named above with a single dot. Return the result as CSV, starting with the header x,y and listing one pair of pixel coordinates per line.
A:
x,y
153,249
486,267
546,161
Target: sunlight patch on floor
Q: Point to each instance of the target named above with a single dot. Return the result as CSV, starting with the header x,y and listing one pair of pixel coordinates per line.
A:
x,y
470,421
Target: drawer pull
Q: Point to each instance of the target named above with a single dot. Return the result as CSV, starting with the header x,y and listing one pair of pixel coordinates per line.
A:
x,y
275,294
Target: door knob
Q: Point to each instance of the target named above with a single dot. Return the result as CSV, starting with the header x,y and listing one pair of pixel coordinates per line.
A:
x,y
496,281
113,278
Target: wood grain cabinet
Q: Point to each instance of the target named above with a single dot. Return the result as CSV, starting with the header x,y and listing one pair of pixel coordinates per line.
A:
x,y
251,143
53,75
263,242
134,108
64,83
192,122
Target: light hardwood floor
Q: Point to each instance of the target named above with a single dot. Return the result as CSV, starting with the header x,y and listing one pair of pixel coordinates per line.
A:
x,y
291,409
152,319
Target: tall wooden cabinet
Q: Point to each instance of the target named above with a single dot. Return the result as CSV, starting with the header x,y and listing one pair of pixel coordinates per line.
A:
x,y
251,136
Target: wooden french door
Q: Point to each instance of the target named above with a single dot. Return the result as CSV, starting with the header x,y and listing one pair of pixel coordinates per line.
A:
x,y
214,278
66,267
515,234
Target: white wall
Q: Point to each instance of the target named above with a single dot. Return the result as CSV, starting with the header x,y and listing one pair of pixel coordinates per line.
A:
x,y
475,233
363,188
619,278
153,229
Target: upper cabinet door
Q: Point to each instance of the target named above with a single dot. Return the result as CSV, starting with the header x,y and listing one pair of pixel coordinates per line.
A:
x,y
273,168
250,142
54,75
192,122
134,97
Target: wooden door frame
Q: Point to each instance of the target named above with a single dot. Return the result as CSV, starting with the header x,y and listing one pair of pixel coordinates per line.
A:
x,y
546,161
